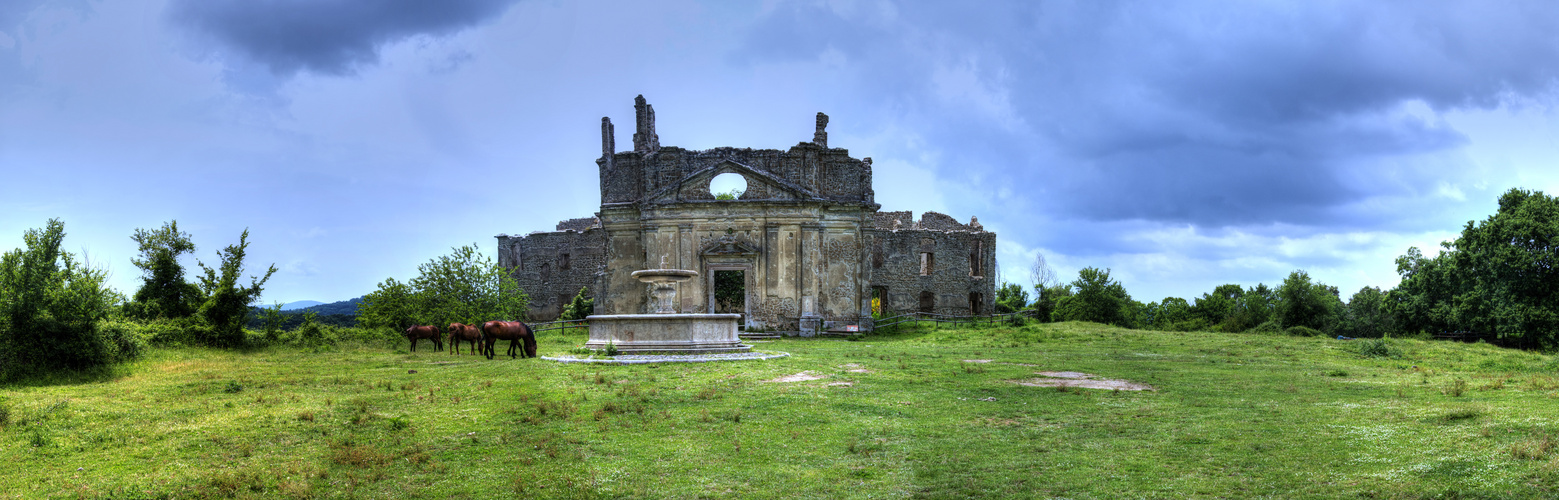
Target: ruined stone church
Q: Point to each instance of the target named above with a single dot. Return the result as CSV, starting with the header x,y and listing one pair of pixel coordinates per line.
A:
x,y
805,246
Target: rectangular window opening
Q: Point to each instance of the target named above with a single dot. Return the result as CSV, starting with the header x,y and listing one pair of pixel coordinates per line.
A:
x,y
927,263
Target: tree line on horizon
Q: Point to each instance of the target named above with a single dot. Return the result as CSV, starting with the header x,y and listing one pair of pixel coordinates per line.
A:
x,y
1497,279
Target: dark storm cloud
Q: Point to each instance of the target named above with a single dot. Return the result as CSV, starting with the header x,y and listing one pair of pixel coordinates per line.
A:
x,y
1212,114
332,37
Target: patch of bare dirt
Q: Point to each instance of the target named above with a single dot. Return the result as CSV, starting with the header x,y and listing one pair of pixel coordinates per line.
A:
x,y
977,361
859,370
799,377
841,384
1082,381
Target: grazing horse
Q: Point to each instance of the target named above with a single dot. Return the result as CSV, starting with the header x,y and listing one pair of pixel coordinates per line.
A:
x,y
512,331
468,333
429,332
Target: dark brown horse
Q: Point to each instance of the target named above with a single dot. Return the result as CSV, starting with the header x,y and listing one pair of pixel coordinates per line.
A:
x,y
429,332
462,332
512,331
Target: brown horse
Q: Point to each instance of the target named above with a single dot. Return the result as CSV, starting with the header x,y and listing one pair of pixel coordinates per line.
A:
x,y
429,332
512,331
468,333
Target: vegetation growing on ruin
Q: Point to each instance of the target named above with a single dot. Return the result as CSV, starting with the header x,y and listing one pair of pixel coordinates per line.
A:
x,y
927,412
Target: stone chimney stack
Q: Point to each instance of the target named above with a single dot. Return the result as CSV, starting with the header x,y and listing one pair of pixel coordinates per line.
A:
x,y
644,138
608,137
820,137
608,141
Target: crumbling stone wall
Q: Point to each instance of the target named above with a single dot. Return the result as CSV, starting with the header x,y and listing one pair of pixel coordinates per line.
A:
x,y
551,267
961,278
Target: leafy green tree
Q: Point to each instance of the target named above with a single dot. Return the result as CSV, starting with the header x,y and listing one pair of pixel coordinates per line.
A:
x,y
1097,298
164,293
1172,314
1307,304
579,308
1010,298
464,286
273,322
1216,307
1253,308
51,306
226,308
1367,314
1044,305
468,287
1423,300
1509,269
394,304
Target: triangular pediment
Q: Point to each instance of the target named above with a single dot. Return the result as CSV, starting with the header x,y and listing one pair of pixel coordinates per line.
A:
x,y
761,186
729,245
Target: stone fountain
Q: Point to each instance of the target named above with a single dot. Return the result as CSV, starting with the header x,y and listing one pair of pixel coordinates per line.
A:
x,y
666,331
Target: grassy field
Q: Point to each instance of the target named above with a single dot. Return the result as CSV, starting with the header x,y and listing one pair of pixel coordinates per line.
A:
x,y
903,415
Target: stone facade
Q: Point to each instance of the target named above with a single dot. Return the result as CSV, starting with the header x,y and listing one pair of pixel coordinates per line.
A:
x,y
806,235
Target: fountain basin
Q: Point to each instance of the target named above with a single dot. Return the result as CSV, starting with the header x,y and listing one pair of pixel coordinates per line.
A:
x,y
666,333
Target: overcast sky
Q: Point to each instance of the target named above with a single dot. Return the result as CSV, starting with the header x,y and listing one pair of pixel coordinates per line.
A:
x,y
1180,144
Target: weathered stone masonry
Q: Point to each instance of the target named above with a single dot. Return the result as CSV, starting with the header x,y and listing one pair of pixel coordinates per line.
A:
x,y
806,235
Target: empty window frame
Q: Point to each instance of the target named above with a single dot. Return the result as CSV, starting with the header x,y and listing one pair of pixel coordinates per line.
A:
x,y
927,263
975,260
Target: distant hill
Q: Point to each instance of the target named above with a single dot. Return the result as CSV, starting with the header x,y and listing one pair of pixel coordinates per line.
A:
x,y
343,313
300,304
347,307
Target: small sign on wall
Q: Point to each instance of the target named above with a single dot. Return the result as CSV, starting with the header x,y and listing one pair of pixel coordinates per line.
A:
x,y
852,328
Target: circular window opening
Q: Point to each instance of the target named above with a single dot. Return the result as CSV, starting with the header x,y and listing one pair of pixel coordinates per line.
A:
x,y
728,186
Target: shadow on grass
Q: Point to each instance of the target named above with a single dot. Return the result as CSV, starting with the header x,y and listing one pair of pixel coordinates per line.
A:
x,y
97,375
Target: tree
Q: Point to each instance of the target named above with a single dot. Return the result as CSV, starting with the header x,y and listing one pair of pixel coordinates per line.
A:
x,y
1367,315
468,287
1172,314
1302,303
579,308
164,293
1097,298
51,306
462,287
1253,308
1010,298
1044,305
1216,307
226,308
394,304
1041,273
1423,300
1508,266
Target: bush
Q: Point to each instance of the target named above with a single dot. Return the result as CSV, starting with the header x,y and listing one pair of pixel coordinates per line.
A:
x,y
50,308
122,339
1377,348
175,332
1270,326
1303,331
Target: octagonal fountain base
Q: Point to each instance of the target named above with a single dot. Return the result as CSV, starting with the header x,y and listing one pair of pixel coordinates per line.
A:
x,y
666,333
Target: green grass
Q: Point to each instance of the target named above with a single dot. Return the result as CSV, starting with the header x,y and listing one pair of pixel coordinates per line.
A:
x,y
1234,415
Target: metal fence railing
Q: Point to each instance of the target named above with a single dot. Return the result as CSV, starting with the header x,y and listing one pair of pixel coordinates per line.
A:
x,y
560,325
